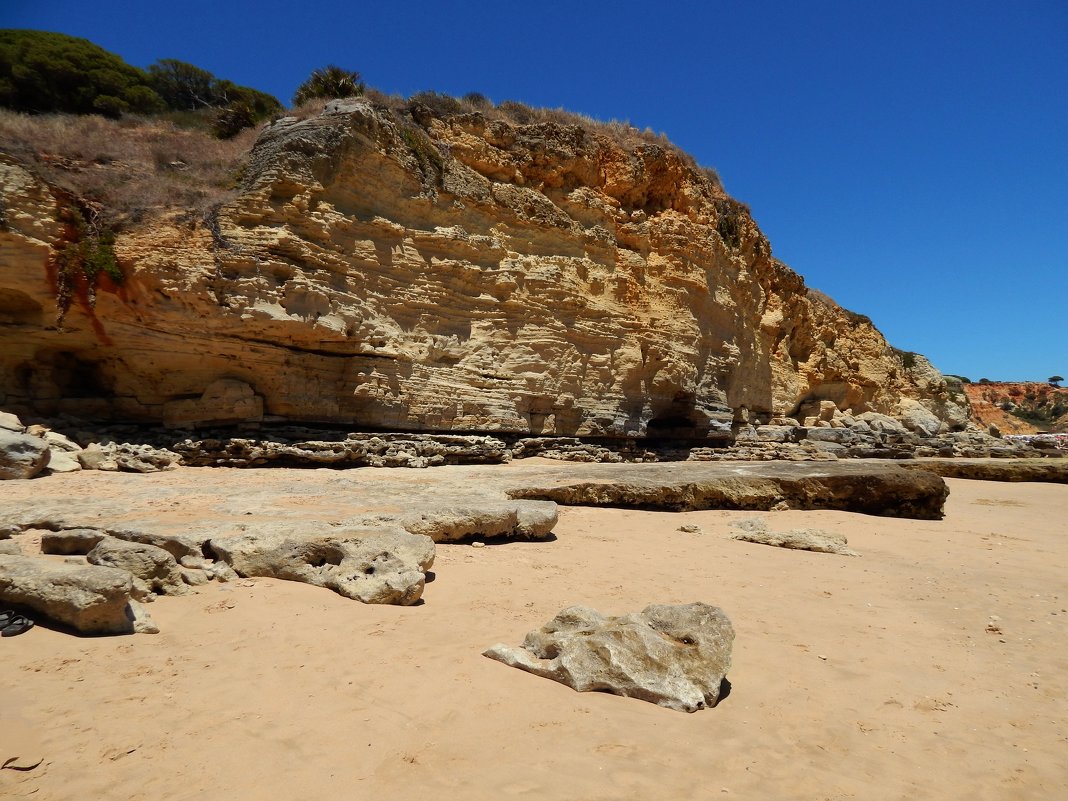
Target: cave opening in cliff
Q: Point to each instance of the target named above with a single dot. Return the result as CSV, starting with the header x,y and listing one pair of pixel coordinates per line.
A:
x,y
678,420
78,378
675,427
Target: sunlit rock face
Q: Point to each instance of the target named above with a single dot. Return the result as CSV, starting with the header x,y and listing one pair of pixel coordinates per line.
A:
x,y
455,274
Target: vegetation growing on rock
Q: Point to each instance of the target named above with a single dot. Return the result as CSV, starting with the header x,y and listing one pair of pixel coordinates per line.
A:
x,y
328,83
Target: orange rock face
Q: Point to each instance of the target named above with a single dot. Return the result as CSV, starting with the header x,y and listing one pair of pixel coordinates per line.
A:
x,y
1038,406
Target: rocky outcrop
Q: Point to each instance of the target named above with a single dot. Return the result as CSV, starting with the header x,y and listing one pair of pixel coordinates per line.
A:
x,y
21,455
89,598
376,566
355,450
1054,471
154,569
412,271
870,488
63,453
127,458
1019,407
70,542
674,656
465,519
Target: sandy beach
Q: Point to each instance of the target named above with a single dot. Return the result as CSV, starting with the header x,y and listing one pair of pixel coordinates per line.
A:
x,y
933,666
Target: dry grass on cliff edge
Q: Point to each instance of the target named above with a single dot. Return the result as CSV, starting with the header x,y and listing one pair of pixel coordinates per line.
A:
x,y
133,167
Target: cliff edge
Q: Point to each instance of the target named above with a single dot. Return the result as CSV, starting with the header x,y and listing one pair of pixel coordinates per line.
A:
x,y
442,272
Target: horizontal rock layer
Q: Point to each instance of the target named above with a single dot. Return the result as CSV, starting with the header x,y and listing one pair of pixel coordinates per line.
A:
x,y
877,489
458,274
1053,471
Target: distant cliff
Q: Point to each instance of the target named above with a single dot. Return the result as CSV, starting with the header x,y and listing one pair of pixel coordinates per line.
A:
x,y
439,272
1019,407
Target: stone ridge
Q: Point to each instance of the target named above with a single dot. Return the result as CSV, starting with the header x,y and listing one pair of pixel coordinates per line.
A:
x,y
455,274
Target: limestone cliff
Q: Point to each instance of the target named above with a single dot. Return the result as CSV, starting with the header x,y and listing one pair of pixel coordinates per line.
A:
x,y
1019,407
443,274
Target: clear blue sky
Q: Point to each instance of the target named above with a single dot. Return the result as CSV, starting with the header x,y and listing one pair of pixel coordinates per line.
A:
x,y
910,159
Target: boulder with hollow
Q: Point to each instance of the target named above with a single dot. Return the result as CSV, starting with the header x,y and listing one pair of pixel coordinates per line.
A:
x,y
374,565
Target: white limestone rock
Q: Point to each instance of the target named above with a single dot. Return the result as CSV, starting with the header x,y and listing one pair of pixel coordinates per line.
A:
x,y
674,656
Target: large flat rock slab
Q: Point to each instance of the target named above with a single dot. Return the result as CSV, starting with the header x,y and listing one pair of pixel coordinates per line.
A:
x,y
367,535
868,487
1052,470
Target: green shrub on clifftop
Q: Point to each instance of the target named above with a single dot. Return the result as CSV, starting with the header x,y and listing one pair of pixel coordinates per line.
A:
x,y
42,72
49,72
329,82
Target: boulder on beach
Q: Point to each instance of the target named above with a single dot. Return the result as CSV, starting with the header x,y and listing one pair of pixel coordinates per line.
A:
x,y
672,656
375,565
90,598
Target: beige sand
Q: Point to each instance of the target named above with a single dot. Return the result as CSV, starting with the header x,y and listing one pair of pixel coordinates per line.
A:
x,y
871,678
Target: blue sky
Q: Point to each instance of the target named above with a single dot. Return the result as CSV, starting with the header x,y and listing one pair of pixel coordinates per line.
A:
x,y
910,159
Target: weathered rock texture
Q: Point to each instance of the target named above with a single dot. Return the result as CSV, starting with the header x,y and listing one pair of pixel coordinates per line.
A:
x,y
355,450
377,566
21,455
871,488
89,598
1019,407
799,539
154,569
673,656
456,274
1054,471
72,541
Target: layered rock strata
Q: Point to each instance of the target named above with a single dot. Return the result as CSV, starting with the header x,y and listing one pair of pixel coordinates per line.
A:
x,y
870,436
426,273
878,489
1052,471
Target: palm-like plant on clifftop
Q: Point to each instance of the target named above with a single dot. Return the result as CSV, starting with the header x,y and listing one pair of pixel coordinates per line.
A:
x,y
329,82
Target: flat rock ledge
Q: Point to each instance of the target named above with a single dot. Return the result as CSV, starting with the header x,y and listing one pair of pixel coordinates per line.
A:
x,y
1050,470
870,488
89,598
673,656
355,450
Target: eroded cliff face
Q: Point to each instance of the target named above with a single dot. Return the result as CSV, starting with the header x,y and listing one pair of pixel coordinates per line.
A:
x,y
443,274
